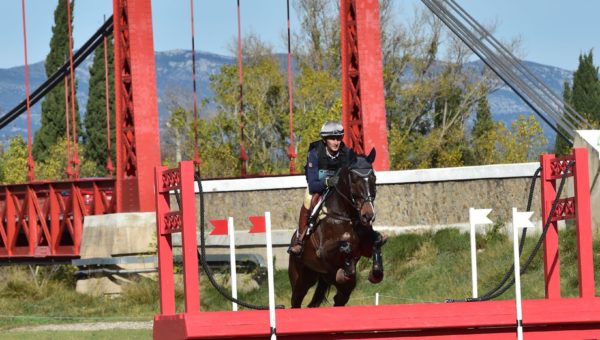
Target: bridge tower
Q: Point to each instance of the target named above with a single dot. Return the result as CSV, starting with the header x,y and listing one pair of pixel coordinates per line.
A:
x,y
363,105
137,130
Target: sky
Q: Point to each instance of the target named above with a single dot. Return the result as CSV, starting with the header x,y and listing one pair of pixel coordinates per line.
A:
x,y
552,32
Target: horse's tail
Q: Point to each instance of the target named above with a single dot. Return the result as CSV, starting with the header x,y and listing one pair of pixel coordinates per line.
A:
x,y
321,292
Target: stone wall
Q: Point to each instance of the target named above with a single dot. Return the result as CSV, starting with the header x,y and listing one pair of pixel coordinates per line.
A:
x,y
404,204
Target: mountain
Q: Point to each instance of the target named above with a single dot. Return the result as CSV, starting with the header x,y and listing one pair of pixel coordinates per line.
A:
x,y
174,78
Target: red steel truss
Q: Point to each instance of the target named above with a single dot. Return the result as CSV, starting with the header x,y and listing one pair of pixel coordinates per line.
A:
x,y
363,105
137,134
45,219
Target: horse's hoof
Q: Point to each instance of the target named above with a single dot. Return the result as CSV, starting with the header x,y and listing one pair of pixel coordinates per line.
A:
x,y
375,276
341,277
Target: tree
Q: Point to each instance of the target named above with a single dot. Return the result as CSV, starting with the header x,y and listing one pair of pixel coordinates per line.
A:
x,y
484,134
585,94
53,124
317,46
95,117
13,163
524,142
430,90
54,166
265,110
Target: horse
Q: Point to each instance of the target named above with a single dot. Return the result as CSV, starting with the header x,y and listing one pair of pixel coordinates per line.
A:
x,y
341,237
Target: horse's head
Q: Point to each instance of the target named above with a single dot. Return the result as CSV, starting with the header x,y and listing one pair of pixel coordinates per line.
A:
x,y
359,179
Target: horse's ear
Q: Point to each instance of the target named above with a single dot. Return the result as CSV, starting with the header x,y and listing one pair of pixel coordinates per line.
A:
x,y
371,157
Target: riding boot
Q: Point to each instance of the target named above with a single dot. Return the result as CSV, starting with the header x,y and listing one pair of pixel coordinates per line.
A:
x,y
297,246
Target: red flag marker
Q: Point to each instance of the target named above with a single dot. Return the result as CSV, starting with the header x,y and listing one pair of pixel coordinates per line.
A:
x,y
258,224
220,227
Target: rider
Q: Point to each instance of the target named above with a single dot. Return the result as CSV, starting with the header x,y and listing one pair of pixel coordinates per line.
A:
x,y
325,157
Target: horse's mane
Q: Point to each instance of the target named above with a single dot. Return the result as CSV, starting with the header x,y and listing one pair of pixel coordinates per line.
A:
x,y
361,165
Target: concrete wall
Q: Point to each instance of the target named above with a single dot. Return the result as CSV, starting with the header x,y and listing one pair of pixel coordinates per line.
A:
x,y
590,139
405,199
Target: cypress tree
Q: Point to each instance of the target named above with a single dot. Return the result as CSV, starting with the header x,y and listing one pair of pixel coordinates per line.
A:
x,y
53,107
585,93
95,116
483,133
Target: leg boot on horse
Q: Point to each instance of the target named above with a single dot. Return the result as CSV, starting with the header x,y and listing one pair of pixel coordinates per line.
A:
x,y
376,273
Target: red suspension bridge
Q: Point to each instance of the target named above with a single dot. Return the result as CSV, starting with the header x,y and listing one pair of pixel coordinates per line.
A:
x,y
44,220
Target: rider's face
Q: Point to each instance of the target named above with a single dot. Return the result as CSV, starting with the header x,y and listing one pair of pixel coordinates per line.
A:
x,y
333,143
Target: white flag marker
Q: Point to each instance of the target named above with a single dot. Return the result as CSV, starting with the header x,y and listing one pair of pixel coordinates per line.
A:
x,y
476,216
520,220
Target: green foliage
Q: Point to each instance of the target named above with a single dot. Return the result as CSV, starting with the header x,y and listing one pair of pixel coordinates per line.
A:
x,y
450,240
53,125
524,142
13,162
54,167
484,134
264,112
585,93
95,117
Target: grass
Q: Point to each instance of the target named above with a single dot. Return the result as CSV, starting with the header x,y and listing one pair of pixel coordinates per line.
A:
x,y
130,334
419,268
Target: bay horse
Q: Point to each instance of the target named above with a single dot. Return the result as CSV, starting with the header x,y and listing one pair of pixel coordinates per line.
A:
x,y
340,238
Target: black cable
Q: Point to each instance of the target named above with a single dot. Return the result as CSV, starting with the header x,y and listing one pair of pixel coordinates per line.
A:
x,y
569,111
510,271
504,72
78,57
202,254
499,289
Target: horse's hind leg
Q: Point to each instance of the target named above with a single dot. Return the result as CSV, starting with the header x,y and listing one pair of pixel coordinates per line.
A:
x,y
301,279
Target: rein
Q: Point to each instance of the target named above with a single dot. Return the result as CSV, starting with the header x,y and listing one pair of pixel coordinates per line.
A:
x,y
366,199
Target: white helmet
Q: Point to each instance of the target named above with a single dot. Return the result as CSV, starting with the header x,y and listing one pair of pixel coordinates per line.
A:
x,y
332,129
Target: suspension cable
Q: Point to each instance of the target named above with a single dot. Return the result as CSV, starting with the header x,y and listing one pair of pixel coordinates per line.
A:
x,y
68,169
85,50
75,158
534,92
571,113
292,149
243,154
109,164
197,160
30,162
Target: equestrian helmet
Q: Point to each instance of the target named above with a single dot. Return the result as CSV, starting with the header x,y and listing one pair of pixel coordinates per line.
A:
x,y
332,129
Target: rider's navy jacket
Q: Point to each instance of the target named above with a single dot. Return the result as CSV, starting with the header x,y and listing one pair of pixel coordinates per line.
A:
x,y
320,166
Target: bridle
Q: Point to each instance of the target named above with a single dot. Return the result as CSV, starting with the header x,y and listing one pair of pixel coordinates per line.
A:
x,y
366,198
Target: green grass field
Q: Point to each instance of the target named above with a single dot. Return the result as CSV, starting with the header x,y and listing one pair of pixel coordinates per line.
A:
x,y
419,268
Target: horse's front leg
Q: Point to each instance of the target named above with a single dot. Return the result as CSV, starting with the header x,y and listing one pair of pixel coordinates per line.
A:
x,y
376,273
348,270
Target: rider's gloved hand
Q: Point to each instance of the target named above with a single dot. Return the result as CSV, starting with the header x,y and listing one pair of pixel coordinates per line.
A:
x,y
331,181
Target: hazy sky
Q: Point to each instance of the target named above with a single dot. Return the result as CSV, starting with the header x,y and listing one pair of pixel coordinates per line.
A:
x,y
553,32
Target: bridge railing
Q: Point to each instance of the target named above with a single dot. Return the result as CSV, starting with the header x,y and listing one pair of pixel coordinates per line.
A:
x,y
45,219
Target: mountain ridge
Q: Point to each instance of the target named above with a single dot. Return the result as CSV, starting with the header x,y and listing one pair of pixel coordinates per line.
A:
x,y
174,76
